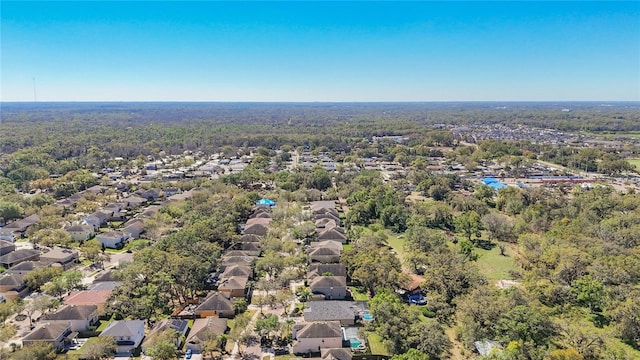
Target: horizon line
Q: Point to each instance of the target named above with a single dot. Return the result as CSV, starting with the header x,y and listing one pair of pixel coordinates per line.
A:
x,y
308,101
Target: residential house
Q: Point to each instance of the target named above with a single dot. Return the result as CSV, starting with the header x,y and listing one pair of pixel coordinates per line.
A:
x,y
237,270
13,286
413,286
88,297
326,223
113,239
25,267
332,234
330,244
7,235
128,334
6,247
78,317
170,191
216,305
258,220
332,287
252,247
323,205
312,337
150,195
250,238
324,255
178,325
233,253
149,211
115,212
202,330
18,256
133,202
234,286
256,229
54,334
227,261
19,227
318,269
134,228
98,219
336,354
80,232
65,257
343,311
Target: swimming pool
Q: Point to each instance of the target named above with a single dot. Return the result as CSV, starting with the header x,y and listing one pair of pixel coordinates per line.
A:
x,y
367,316
355,343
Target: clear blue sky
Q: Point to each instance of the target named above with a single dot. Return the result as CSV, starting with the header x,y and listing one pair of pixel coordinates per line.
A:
x,y
317,51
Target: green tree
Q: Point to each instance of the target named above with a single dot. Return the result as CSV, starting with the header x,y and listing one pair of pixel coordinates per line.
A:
x,y
37,350
10,210
99,348
469,224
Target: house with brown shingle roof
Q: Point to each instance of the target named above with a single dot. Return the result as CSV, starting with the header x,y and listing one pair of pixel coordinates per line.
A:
x,y
332,287
318,269
216,305
234,286
202,330
324,255
88,297
312,337
336,354
54,334
65,257
13,286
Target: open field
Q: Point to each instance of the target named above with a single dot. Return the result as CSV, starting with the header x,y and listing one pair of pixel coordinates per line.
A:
x,y
635,162
375,344
493,265
397,244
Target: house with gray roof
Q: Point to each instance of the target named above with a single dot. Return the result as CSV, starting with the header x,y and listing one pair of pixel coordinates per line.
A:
x,y
79,317
58,335
128,334
65,257
18,256
6,247
343,311
178,325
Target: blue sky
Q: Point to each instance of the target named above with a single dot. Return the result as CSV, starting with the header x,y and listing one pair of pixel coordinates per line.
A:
x,y
320,51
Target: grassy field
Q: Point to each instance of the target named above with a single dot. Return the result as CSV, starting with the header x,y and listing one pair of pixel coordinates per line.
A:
x,y
493,265
358,294
635,162
397,244
375,344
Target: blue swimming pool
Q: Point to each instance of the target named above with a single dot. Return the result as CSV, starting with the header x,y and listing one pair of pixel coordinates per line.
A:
x,y
355,343
367,316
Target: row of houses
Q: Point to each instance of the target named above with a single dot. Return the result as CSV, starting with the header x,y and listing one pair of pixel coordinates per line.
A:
x,y
20,262
322,332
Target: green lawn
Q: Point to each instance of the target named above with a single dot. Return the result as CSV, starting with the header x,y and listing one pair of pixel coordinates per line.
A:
x,y
493,265
397,244
375,344
635,162
358,295
346,247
